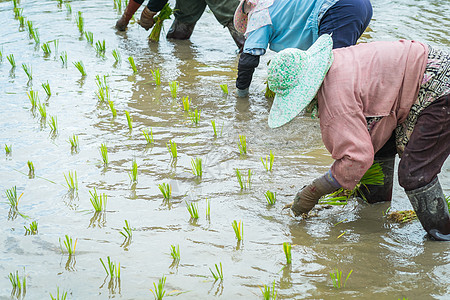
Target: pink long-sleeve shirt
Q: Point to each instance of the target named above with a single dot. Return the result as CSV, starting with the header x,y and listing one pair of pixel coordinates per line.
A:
x,y
378,79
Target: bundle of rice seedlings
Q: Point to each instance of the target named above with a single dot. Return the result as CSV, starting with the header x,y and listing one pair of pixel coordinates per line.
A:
x,y
164,14
403,216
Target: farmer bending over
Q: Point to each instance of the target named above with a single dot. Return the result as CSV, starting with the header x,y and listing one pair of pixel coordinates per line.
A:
x,y
187,13
282,24
374,100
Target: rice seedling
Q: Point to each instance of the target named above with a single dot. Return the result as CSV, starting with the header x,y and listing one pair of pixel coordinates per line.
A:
x,y
156,76
1,54
164,14
337,278
28,70
287,252
68,8
15,3
111,107
219,274
101,81
73,141
116,55
34,98
72,180
175,252
213,123
269,93
30,168
32,229
166,190
271,197
268,162
269,293
196,165
98,201
63,57
186,104
447,199
159,291
63,295
208,208
17,12
21,21
56,44
193,210
53,123
11,60
42,110
173,85
129,120
13,200
242,144
238,229
46,87
148,135
244,184
36,37
195,116
80,67
132,64
103,95
19,285
8,149
46,48
113,269
224,88
172,147
100,47
104,153
133,174
80,22
69,245
118,4
30,28
89,37
404,216
127,231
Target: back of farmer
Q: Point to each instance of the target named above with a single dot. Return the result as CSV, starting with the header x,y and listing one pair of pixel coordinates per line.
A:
x,y
281,24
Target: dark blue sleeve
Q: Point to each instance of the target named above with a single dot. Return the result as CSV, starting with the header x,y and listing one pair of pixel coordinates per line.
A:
x,y
246,67
156,5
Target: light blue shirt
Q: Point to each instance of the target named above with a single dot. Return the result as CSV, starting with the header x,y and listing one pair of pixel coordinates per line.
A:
x,y
295,24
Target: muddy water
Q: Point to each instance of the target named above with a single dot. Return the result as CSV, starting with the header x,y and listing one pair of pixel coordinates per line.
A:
x,y
389,261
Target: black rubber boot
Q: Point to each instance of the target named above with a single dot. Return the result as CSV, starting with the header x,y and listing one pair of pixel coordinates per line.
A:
x,y
237,36
180,31
381,193
432,210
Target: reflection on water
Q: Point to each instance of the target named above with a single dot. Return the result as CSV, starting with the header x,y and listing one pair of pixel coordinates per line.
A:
x,y
389,261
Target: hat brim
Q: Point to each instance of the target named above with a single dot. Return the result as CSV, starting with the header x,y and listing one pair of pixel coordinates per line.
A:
x,y
240,19
286,107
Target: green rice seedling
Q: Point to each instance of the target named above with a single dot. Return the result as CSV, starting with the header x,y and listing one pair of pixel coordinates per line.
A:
x,y
103,95
129,120
68,8
100,47
8,149
28,70
13,200
173,85
63,57
132,64
80,22
337,278
269,293
1,54
224,88
63,295
30,28
196,165
193,210
111,107
219,274
159,291
269,93
175,252
104,153
287,252
80,67
30,168
90,37
113,269
242,144
271,197
17,12
239,178
19,286
166,190
32,229
186,104
98,201
238,229
118,4
403,216
15,3
21,21
156,76
213,123
42,110
195,116
127,231
148,135
56,44
172,147
116,55
208,208
73,140
164,14
34,98
72,180
102,82
447,199
268,163
36,37
46,87
69,245
46,48
53,123
133,174
11,60
244,184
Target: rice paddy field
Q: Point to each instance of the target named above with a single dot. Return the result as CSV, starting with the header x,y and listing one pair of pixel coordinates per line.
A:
x,y
115,185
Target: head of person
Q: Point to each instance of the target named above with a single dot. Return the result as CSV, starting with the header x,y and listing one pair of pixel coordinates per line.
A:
x,y
295,76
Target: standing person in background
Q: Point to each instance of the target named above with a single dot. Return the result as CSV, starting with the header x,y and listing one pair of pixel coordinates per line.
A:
x,y
187,13
281,24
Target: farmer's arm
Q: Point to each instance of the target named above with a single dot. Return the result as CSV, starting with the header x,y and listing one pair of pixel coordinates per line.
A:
x,y
155,5
152,8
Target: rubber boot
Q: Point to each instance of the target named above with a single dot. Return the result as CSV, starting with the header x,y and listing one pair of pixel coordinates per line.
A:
x,y
180,31
131,8
432,210
381,193
237,36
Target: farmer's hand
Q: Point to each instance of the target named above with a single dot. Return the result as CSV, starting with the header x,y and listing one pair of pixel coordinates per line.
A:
x,y
242,93
146,20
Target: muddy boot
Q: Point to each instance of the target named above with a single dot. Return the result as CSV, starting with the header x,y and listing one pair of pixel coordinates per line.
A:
x,y
237,36
381,193
180,31
131,8
432,210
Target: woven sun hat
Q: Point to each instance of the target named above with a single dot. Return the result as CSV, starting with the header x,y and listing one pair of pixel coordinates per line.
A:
x,y
251,15
295,76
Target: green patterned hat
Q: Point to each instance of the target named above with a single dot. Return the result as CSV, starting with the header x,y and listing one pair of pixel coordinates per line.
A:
x,y
295,76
